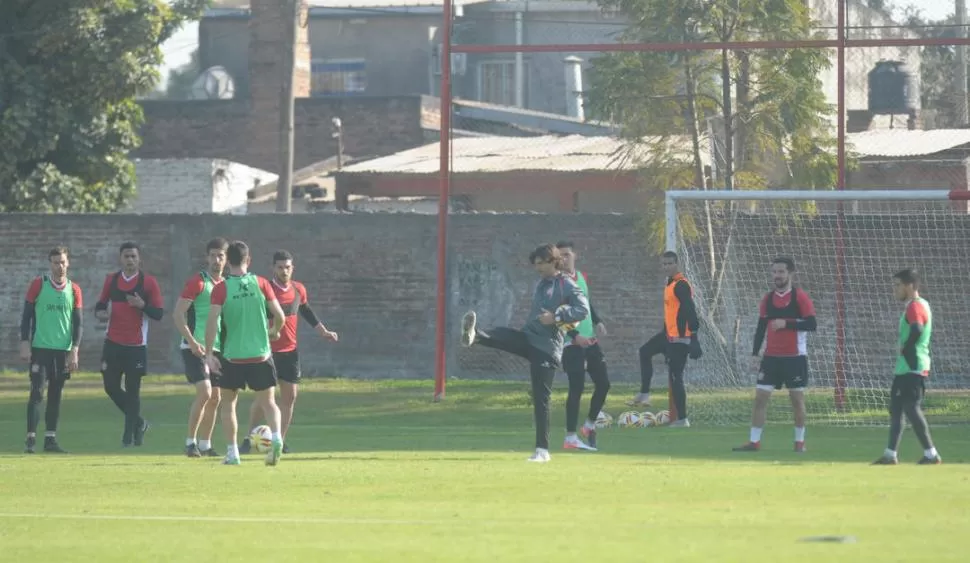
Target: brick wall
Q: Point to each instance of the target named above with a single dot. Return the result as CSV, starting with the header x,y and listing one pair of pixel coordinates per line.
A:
x,y
223,129
372,278
197,185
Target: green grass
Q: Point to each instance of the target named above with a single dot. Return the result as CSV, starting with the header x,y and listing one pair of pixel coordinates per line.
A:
x,y
382,474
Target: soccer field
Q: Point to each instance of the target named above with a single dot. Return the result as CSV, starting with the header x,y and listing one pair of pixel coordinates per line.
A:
x,y
382,474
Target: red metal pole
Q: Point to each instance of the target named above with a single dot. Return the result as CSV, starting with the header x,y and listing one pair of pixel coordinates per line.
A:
x,y
713,45
441,321
840,382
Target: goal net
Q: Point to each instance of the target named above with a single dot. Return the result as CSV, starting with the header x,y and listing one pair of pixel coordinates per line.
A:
x,y
846,247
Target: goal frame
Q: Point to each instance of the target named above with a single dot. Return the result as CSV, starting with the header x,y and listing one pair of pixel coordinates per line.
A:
x,y
841,196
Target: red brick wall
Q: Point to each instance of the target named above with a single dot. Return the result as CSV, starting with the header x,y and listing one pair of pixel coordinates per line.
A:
x,y
223,129
372,278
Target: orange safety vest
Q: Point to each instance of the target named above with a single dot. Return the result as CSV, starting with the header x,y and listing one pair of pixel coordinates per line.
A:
x,y
672,308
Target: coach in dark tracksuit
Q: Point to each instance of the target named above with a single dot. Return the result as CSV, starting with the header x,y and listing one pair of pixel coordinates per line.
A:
x,y
557,306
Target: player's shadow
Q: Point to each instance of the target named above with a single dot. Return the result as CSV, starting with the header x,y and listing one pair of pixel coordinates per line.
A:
x,y
347,421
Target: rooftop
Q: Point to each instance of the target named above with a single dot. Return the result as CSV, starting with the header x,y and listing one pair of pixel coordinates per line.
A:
x,y
572,153
903,142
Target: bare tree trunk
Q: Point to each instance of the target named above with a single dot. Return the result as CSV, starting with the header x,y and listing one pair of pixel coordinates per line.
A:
x,y
695,138
743,95
728,117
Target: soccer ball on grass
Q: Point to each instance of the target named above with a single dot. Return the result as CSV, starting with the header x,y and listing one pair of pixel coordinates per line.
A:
x,y
261,438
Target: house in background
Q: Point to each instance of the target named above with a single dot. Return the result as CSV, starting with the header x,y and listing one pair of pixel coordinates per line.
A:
x,y
194,185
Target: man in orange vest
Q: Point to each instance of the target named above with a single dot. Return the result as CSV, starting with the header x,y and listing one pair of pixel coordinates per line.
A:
x,y
677,341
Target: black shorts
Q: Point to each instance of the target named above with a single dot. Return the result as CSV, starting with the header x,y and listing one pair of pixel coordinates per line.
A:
x,y
130,360
195,371
257,376
288,366
790,372
46,364
908,388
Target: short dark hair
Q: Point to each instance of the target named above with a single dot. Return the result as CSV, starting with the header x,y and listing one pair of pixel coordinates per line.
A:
x,y
129,245
237,252
788,262
671,254
280,255
217,243
565,244
909,276
546,253
57,251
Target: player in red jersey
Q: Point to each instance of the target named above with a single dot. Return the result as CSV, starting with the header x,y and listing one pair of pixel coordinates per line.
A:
x,y
292,296
128,299
787,315
50,333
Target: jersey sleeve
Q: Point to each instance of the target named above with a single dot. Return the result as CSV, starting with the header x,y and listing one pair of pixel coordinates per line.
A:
x,y
267,290
77,296
192,288
916,313
154,297
218,295
301,293
763,307
105,289
805,305
33,290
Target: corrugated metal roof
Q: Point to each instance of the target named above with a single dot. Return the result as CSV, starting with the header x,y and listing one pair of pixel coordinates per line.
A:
x,y
573,153
903,142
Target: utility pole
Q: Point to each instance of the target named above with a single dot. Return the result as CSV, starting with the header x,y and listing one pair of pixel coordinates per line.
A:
x,y
289,18
961,74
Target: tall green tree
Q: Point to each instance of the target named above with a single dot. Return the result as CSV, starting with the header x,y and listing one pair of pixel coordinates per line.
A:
x,y
69,74
939,88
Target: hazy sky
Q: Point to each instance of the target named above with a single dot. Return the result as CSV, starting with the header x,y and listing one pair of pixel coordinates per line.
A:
x,y
178,49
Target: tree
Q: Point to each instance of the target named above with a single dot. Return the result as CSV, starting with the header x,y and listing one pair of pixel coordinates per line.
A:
x,y
940,90
770,104
180,80
69,73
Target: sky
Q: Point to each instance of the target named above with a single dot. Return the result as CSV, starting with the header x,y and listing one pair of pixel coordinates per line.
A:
x,y
180,46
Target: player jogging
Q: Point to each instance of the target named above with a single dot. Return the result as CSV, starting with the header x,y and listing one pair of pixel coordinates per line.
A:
x,y
50,333
128,299
676,341
912,371
292,296
787,315
242,301
557,305
191,315
583,354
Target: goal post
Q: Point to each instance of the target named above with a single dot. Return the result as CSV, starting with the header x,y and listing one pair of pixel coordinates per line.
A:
x,y
846,246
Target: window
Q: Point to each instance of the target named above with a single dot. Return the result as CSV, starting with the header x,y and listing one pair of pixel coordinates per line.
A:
x,y
496,82
338,77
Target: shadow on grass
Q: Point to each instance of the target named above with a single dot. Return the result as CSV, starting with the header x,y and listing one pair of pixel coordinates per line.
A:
x,y
339,417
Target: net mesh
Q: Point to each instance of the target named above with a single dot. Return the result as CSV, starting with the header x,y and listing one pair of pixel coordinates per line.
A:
x,y
727,247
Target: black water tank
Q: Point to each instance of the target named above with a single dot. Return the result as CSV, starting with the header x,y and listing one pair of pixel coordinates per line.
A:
x,y
893,90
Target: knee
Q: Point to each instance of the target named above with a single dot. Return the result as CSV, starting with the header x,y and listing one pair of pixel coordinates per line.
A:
x,y
604,385
36,395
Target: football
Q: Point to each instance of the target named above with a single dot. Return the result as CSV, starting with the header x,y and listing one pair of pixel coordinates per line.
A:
x,y
261,438
565,327
647,419
663,417
604,420
629,419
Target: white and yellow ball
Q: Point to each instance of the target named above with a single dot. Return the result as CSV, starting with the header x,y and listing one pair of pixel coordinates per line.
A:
x,y
604,420
628,419
647,419
261,438
663,417
565,327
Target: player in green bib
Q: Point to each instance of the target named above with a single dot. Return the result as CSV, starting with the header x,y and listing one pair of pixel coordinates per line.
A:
x,y
50,333
582,355
190,316
912,371
242,302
